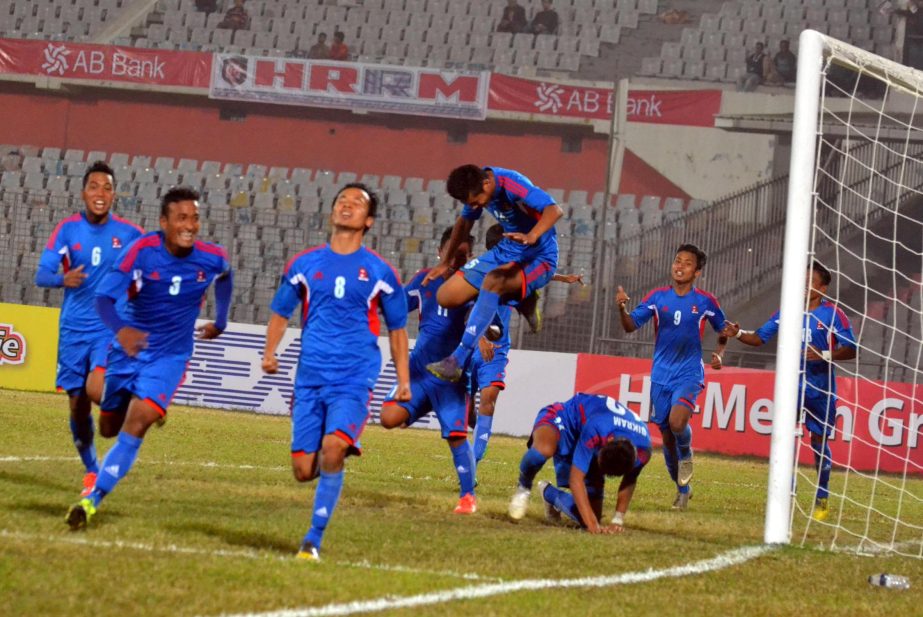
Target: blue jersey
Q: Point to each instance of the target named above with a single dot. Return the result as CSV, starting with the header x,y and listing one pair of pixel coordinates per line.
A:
x,y
165,292
441,329
608,419
825,328
340,296
77,242
517,204
679,322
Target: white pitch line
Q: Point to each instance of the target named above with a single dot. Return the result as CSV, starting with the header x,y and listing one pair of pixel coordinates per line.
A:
x,y
246,554
726,560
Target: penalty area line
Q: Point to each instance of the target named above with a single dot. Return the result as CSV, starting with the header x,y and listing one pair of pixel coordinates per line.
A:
x,y
729,559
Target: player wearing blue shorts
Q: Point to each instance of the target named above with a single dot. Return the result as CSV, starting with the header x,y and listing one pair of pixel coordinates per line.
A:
x,y
440,331
165,275
590,436
84,246
828,338
341,286
521,264
680,313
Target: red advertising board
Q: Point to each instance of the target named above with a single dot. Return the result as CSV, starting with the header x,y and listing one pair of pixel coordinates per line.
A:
x,y
681,107
63,60
879,425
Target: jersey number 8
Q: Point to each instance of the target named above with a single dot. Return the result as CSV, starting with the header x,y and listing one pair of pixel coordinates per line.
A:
x,y
339,287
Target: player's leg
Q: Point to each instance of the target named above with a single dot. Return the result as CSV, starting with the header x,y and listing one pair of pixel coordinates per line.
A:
x,y
484,426
405,413
73,362
542,445
97,375
463,460
457,291
682,404
449,402
536,275
95,381
819,418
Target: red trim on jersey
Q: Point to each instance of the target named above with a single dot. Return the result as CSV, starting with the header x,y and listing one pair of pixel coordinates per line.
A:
x,y
212,249
305,304
387,263
524,285
702,321
345,437
707,295
653,291
539,270
101,369
458,434
839,313
374,320
511,185
687,403
304,252
582,413
54,234
299,453
119,219
65,263
499,384
156,407
103,412
151,241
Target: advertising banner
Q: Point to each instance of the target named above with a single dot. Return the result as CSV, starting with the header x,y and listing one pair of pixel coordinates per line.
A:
x,y
28,347
74,61
351,85
679,107
878,425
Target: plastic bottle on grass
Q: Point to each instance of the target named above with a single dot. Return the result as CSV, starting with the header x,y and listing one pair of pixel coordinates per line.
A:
x,y
889,581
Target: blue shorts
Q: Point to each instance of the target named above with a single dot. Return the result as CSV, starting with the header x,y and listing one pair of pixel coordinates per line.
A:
x,y
594,479
79,355
340,410
485,374
564,453
152,378
428,393
820,414
665,398
537,270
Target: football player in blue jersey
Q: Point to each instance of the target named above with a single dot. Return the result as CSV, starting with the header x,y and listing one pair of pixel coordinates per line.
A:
x,y
341,286
590,436
165,275
84,246
440,331
827,338
521,264
679,312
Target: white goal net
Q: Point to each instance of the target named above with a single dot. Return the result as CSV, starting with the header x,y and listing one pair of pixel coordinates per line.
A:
x,y
855,206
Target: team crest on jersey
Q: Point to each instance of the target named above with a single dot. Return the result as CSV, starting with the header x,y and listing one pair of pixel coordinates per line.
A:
x,y
318,275
363,274
665,308
77,247
200,276
116,243
695,309
155,275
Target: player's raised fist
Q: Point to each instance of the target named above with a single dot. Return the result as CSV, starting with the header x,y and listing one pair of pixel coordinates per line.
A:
x,y
270,365
621,298
207,331
403,392
75,277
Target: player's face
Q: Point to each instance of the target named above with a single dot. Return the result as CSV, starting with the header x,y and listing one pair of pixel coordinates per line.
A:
x,y
181,225
685,268
482,197
816,287
351,210
98,195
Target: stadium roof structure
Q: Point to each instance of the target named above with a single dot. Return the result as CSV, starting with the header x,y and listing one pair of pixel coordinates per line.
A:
x,y
893,127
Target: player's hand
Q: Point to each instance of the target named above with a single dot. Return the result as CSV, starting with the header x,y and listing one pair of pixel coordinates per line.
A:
x,y
403,392
132,340
621,298
270,364
437,271
730,329
570,279
716,361
486,348
208,331
811,353
613,528
75,277
521,238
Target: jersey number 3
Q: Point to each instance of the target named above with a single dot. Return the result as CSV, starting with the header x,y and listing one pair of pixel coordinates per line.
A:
x,y
174,288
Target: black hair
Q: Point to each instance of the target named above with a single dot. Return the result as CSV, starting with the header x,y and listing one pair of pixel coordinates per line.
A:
x,y
448,234
373,198
617,457
98,167
338,36
493,236
176,195
464,181
824,273
700,256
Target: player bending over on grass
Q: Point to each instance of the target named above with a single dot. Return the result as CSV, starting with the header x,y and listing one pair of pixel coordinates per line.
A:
x,y
165,275
340,286
487,369
827,337
522,263
85,246
678,374
590,437
440,331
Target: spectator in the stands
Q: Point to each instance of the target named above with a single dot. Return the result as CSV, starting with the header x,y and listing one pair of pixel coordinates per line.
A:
x,y
756,69
206,6
546,20
339,50
785,63
320,50
913,33
513,18
236,17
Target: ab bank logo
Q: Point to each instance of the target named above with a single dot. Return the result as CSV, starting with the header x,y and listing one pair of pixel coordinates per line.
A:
x,y
12,345
549,97
55,59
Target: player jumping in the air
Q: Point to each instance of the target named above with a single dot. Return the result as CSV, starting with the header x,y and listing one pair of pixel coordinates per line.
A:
x,y
165,275
678,375
340,285
590,437
440,331
522,263
84,246
828,338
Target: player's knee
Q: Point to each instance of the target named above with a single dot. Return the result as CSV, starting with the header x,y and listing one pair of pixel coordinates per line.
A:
x,y
495,281
393,416
333,454
110,424
94,387
303,469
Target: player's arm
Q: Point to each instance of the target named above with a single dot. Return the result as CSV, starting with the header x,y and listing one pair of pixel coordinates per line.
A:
x,y
621,300
282,306
112,286
717,356
394,308
582,500
626,492
753,338
550,215
460,231
224,288
400,355
569,279
844,347
47,274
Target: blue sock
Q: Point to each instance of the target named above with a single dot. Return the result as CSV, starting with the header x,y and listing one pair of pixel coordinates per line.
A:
x,y
684,442
823,462
463,459
482,314
325,501
116,465
531,463
669,457
82,432
482,432
684,489
563,502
